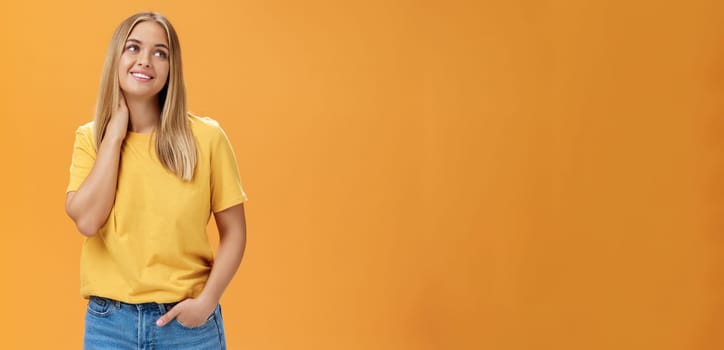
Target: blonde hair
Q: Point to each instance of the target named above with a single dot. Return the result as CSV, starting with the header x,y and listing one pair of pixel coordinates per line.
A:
x,y
175,144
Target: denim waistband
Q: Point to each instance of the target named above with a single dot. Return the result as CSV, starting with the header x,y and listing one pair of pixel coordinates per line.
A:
x,y
162,307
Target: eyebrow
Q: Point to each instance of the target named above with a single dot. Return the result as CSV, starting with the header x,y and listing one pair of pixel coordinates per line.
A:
x,y
140,42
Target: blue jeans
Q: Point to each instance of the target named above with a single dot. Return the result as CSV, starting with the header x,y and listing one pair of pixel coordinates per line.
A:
x,y
111,324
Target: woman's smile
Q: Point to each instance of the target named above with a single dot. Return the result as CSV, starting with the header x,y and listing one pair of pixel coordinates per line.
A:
x,y
141,76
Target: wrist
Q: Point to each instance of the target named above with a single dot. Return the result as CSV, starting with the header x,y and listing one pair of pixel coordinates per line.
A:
x,y
113,139
207,299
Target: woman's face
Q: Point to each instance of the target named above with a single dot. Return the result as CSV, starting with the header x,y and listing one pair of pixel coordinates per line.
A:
x,y
143,67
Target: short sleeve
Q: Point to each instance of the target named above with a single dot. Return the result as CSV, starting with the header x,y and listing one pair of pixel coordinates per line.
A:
x,y
84,156
226,189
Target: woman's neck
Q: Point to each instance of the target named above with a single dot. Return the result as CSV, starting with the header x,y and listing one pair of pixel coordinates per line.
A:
x,y
143,114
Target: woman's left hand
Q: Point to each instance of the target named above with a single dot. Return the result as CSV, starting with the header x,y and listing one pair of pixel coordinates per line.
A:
x,y
190,312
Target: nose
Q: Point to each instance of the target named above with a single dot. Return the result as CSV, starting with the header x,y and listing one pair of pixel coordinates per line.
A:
x,y
143,61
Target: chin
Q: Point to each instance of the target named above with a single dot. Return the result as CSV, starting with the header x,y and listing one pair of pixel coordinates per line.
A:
x,y
141,93
140,90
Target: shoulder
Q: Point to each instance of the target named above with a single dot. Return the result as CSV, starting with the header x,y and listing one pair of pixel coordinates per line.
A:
x,y
86,127
205,128
86,130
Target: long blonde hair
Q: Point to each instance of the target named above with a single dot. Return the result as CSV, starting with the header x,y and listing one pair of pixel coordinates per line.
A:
x,y
175,144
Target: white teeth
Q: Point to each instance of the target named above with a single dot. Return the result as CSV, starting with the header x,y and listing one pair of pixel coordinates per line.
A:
x,y
140,75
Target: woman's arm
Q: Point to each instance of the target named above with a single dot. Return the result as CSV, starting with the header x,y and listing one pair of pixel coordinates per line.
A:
x,y
90,205
232,242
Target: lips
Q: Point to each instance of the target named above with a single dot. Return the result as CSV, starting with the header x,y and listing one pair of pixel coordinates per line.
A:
x,y
141,76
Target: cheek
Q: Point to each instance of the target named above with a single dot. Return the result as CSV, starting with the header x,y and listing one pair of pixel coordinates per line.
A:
x,y
123,66
162,73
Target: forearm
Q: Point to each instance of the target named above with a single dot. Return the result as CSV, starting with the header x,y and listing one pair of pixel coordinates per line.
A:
x,y
91,204
228,258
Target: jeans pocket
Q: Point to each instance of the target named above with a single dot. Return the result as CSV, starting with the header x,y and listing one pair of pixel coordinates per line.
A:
x,y
99,307
209,321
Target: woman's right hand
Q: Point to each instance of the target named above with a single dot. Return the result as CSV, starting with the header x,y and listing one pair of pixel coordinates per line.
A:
x,y
118,125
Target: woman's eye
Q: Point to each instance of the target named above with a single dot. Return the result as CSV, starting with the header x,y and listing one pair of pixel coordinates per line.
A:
x,y
161,54
132,48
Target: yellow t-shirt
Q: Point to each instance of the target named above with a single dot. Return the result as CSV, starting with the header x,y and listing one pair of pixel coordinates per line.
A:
x,y
153,246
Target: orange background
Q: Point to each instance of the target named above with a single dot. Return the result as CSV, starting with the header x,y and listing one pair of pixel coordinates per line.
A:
x,y
422,174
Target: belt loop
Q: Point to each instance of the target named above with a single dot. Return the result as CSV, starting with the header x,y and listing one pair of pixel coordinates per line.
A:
x,y
164,307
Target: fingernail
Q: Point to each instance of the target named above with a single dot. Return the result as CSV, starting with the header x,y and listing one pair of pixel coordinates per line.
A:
x,y
159,323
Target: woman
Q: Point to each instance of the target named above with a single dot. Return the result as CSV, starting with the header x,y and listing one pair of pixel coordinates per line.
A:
x,y
145,177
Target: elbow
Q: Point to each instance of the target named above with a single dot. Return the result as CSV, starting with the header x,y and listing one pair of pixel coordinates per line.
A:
x,y
87,230
234,238
83,221
85,226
